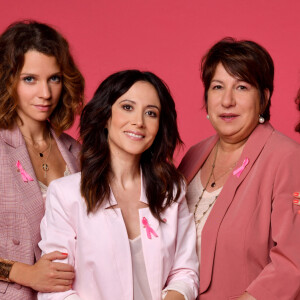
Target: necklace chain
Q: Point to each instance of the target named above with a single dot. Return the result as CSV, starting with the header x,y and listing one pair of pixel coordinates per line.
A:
x,y
45,165
197,221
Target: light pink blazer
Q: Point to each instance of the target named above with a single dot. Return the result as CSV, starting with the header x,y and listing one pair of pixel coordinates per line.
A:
x,y
22,205
251,240
98,245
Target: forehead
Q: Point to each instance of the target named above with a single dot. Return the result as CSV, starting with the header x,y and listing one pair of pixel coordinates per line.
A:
x,y
36,62
142,92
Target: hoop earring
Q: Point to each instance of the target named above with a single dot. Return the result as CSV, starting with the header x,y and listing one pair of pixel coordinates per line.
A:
x,y
261,119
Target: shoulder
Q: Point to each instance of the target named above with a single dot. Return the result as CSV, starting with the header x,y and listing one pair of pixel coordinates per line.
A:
x,y
65,188
69,141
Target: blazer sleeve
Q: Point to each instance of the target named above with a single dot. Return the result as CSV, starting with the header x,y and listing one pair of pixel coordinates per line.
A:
x,y
280,279
184,276
58,232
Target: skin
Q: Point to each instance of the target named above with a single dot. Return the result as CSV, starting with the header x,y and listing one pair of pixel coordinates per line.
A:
x,y
38,90
233,107
132,129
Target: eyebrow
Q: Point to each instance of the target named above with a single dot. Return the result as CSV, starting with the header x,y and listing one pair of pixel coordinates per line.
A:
x,y
133,102
33,74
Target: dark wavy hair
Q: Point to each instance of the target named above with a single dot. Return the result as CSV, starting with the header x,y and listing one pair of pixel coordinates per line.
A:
x,y
162,180
27,35
245,60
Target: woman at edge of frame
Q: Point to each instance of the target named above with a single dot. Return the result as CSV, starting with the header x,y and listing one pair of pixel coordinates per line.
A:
x,y
241,180
41,90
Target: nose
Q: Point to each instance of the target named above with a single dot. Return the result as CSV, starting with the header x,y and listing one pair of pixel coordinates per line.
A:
x,y
45,90
138,119
228,98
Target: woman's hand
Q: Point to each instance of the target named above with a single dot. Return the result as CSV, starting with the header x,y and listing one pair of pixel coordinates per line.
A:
x,y
297,198
173,295
45,275
246,296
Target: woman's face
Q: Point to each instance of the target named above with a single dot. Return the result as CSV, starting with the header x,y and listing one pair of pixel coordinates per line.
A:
x,y
233,106
134,120
39,87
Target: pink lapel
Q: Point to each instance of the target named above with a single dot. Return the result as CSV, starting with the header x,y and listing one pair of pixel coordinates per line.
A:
x,y
251,151
70,156
195,157
30,191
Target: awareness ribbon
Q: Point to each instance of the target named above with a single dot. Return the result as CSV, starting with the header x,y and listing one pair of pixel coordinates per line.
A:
x,y
25,176
149,230
239,170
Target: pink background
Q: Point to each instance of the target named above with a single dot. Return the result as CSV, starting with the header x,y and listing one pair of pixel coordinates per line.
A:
x,y
169,38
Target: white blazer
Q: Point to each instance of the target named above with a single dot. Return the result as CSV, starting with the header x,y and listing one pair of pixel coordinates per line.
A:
x,y
99,249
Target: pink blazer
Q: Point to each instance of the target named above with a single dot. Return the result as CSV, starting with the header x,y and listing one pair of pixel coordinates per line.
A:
x,y
98,245
22,205
251,240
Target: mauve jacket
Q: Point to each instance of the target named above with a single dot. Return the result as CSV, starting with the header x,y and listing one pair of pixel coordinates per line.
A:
x,y
251,240
22,205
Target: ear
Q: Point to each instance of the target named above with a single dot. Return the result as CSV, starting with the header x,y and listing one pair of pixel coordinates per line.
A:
x,y
267,98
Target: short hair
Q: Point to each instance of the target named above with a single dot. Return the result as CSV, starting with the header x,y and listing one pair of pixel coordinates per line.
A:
x,y
245,60
27,35
160,175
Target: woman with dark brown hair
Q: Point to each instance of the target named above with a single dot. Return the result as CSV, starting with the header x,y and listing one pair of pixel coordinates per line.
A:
x,y
41,90
240,182
123,220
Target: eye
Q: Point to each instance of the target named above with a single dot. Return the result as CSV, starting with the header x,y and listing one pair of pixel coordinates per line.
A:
x,y
28,79
127,107
216,87
151,113
242,87
55,78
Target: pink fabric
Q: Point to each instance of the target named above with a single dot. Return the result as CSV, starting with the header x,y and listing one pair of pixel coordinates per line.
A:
x,y
251,239
21,204
25,176
99,249
239,170
149,230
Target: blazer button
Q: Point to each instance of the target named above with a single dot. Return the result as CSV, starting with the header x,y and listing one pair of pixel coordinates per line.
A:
x,y
16,242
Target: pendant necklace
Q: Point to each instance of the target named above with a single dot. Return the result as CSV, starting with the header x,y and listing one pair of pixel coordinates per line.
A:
x,y
45,165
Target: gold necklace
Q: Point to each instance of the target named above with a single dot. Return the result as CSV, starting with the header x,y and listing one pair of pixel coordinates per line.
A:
x,y
40,153
45,165
213,184
197,222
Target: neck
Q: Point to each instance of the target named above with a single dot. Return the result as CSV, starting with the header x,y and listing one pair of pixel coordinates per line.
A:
x,y
37,131
125,171
228,147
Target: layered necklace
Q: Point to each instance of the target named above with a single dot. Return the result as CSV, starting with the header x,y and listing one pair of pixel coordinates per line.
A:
x,y
41,154
213,184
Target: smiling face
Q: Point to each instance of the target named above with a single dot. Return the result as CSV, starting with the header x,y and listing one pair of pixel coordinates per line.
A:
x,y
134,120
39,87
233,106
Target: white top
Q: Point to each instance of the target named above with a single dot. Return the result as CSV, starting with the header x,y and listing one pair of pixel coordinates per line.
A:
x,y
44,187
194,191
141,289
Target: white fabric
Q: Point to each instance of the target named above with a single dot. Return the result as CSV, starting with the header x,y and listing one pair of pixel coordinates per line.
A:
x,y
193,193
44,187
141,289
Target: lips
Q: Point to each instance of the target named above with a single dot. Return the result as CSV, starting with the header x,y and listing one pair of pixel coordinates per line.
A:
x,y
134,135
43,107
228,117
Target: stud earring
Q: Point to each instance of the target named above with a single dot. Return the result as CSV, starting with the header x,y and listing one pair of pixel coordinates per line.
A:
x,y
261,119
207,116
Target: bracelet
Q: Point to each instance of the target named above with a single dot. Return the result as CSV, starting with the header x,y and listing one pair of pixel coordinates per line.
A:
x,y
5,268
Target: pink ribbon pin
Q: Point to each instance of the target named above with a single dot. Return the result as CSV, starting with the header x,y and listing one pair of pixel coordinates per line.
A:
x,y
149,229
25,176
239,170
